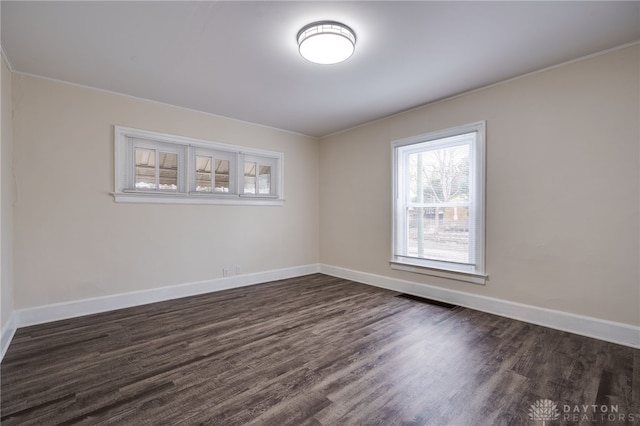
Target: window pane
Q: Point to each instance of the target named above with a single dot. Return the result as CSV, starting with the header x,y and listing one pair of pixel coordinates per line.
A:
x,y
203,173
168,170
439,233
222,176
250,178
145,168
264,180
439,175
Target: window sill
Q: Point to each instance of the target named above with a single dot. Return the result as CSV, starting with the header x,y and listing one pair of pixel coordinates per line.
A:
x,y
173,198
441,273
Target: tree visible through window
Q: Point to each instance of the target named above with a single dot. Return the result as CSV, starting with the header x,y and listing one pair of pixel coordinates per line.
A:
x,y
439,204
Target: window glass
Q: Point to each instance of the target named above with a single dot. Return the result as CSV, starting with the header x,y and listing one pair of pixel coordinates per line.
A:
x,y
250,178
145,168
222,176
264,180
438,204
168,170
203,173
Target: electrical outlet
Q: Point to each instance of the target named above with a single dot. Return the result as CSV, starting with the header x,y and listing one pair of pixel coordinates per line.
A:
x,y
238,269
225,272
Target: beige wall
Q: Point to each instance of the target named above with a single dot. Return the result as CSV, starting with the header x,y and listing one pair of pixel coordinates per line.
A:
x,y
6,201
72,241
563,183
563,194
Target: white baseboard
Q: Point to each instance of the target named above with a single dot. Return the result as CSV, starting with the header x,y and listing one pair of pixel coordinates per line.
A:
x,y
76,308
8,330
609,331
614,332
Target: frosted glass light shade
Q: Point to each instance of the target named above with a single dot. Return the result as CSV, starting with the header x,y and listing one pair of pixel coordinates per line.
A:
x,y
326,42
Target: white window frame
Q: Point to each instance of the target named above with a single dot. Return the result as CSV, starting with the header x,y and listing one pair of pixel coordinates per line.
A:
x,y
472,272
215,154
154,146
127,139
260,161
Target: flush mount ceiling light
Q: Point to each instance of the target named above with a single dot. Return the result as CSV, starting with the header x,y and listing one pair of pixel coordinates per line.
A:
x,y
326,42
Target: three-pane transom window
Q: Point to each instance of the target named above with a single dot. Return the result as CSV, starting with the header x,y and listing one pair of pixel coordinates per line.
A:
x,y
153,167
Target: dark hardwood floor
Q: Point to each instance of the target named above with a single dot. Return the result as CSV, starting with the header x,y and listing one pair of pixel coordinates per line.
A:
x,y
314,350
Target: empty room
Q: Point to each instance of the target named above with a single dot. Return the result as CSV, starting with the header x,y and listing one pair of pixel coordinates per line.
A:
x,y
320,213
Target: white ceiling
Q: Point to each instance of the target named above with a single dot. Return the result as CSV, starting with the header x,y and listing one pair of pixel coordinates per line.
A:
x,y
240,59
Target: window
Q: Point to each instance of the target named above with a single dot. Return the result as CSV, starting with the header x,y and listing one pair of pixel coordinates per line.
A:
x,y
438,203
213,171
157,168
258,176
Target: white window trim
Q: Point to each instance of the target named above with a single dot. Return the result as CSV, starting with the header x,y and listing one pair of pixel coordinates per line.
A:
x,y
179,150
124,192
260,161
448,270
215,154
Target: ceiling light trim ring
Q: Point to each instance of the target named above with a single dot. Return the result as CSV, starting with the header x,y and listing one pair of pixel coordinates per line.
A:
x,y
326,28
348,31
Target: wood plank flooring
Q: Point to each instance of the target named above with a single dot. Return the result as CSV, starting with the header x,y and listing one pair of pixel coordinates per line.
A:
x,y
314,350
